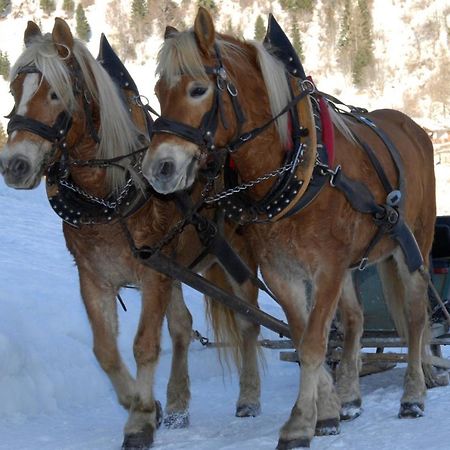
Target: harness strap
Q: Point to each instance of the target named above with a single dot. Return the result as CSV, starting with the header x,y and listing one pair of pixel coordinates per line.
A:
x,y
398,162
216,244
233,146
163,264
356,193
52,133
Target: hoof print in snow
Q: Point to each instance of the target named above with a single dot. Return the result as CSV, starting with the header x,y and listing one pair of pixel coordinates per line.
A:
x,y
142,440
327,427
293,443
351,410
411,410
177,420
250,410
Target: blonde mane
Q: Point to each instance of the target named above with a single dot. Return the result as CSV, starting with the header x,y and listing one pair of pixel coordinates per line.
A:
x,y
179,55
118,134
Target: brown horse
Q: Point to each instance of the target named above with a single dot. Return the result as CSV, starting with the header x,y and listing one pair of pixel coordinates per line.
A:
x,y
220,95
67,108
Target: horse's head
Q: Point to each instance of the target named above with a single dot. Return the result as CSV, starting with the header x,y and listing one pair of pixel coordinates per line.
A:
x,y
202,79
66,106
45,105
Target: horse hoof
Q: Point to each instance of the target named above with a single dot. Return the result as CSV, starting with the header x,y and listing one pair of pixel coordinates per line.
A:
x,y
142,440
159,413
411,410
437,378
351,410
327,427
284,444
177,420
250,410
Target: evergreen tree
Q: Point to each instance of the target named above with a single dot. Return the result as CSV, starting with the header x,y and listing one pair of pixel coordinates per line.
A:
x,y
210,5
48,6
344,30
4,65
139,9
229,29
4,5
3,136
297,41
298,5
83,29
260,29
363,54
69,7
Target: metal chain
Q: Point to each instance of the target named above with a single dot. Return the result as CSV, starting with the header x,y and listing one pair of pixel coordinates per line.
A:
x,y
101,201
171,234
250,184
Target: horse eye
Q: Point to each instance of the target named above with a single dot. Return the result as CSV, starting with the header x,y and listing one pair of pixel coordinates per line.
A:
x,y
197,91
53,96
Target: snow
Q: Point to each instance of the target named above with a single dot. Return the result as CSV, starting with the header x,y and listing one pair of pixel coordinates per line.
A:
x,y
53,395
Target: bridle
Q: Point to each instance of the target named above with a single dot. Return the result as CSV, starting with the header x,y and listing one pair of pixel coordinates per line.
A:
x,y
71,202
204,137
57,133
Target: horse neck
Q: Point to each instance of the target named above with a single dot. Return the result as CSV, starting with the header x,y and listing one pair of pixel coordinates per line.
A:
x,y
262,154
90,179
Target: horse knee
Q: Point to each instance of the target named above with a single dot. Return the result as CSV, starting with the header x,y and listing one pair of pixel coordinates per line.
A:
x,y
108,359
146,353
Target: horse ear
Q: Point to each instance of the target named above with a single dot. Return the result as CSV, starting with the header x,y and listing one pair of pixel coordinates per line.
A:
x,y
204,30
62,37
170,31
31,32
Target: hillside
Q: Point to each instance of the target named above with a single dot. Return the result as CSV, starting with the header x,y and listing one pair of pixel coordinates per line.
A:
x,y
408,41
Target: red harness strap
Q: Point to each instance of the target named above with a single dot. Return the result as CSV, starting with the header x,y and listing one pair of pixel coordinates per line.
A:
x,y
327,130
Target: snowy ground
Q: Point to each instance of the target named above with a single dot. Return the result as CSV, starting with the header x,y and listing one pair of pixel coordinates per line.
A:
x,y
53,395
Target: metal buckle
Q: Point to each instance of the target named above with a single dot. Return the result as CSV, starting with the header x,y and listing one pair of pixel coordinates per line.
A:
x,y
231,88
308,85
333,174
363,264
393,198
141,100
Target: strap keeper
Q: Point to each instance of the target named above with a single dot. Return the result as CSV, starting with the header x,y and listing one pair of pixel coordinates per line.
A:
x,y
363,263
334,173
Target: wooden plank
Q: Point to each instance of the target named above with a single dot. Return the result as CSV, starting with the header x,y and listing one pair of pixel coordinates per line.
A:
x,y
374,358
372,342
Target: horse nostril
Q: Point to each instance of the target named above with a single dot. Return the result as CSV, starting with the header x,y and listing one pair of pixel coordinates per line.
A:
x,y
166,168
19,167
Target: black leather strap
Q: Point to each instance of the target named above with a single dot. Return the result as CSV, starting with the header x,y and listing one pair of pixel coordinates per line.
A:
x,y
52,133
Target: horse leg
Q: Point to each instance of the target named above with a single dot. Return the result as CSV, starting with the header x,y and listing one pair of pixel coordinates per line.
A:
x,y
406,294
242,335
347,373
310,415
100,301
248,404
179,321
145,413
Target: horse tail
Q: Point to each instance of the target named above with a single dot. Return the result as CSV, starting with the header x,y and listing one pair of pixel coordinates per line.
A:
x,y
230,331
226,332
394,294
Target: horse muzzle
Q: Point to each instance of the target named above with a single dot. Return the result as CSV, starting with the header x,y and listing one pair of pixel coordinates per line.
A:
x,y
17,172
170,172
